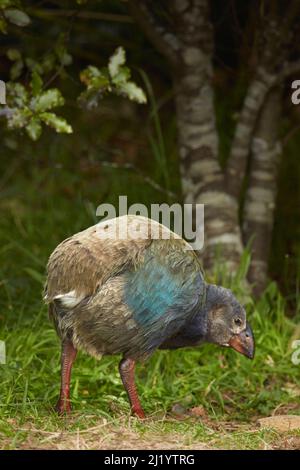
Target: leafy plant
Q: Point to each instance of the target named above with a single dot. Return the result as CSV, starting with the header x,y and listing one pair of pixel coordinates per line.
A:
x,y
115,78
29,109
11,12
54,60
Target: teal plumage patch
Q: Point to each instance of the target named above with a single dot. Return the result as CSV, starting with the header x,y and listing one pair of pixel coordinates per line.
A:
x,y
164,290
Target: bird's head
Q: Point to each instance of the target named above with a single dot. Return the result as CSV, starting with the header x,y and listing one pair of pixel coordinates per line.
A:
x,y
226,321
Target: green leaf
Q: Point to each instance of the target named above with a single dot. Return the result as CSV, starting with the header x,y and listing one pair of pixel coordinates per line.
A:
x,y
89,74
48,63
16,95
116,61
5,3
13,54
61,52
34,65
17,17
19,118
36,83
48,100
66,59
16,69
122,76
115,79
93,77
57,122
133,92
3,26
34,128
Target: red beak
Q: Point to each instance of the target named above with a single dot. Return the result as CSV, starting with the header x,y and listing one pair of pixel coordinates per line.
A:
x,y
244,342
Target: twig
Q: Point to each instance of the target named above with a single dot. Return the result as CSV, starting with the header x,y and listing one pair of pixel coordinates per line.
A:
x,y
86,15
163,39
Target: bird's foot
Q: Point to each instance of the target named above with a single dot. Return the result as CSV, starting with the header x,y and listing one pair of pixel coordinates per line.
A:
x,y
138,412
63,406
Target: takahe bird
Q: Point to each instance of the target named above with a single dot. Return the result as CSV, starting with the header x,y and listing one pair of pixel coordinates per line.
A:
x,y
132,294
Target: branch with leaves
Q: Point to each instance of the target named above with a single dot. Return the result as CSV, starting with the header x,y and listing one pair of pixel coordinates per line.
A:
x,y
32,107
115,78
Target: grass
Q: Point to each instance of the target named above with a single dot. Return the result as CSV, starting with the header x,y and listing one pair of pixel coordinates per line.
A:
x,y
233,391
40,207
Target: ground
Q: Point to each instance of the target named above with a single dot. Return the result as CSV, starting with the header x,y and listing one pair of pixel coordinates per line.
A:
x,y
170,433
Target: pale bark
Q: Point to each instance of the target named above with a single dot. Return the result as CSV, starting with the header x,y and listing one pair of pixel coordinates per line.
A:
x,y
201,175
261,194
189,49
269,52
255,97
274,42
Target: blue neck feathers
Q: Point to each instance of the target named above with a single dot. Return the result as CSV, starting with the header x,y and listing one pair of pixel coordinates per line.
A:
x,y
195,331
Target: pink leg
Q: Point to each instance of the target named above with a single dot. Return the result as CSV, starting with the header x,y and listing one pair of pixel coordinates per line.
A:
x,y
68,355
126,368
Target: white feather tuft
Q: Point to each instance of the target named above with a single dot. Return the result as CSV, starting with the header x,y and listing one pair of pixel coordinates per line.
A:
x,y
70,299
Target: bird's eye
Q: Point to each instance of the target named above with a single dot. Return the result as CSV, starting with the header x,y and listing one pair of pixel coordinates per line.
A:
x,y
238,321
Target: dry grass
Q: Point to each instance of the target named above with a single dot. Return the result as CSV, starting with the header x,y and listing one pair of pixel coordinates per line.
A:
x,y
105,437
128,433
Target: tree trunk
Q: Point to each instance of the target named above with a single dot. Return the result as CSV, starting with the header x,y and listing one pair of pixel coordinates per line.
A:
x,y
203,181
255,97
261,194
201,175
188,48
